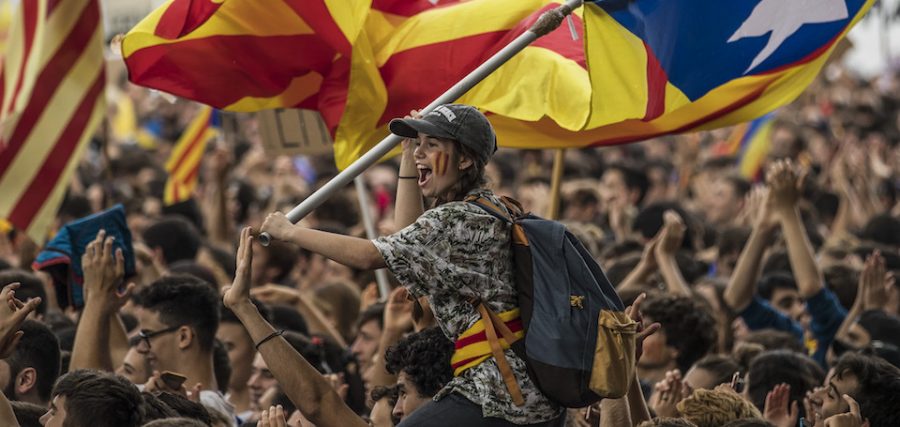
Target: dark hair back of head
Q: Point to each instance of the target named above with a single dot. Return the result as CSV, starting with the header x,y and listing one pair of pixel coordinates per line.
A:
x,y
282,256
689,326
287,318
425,359
843,281
30,286
782,366
39,349
184,300
193,268
176,422
721,367
649,221
883,229
770,282
771,339
878,390
749,422
28,414
155,409
178,239
185,408
91,393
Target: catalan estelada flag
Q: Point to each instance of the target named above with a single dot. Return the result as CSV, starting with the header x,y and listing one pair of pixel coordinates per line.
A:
x,y
671,66
52,101
750,143
183,164
656,67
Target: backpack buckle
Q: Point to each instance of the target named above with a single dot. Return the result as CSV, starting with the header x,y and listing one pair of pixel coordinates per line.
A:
x,y
577,301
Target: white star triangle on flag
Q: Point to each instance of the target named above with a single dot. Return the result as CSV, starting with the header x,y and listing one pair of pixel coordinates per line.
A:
x,y
782,18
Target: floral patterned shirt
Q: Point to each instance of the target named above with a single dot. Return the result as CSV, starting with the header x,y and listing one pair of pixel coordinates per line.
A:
x,y
451,253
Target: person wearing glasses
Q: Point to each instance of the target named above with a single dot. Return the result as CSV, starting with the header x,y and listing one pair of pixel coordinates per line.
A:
x,y
178,317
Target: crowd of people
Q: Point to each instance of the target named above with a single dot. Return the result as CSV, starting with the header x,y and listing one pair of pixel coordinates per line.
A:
x,y
775,294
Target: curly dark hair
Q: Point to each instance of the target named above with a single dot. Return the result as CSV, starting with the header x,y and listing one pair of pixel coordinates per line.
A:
x,y
425,358
688,325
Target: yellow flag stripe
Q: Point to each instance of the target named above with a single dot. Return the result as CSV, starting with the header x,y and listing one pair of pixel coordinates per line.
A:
x,y
234,17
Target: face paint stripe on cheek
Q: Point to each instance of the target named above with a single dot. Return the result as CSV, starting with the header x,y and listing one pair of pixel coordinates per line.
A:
x,y
443,159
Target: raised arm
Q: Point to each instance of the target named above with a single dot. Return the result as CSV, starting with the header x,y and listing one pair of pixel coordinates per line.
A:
x,y
351,251
785,182
398,320
742,284
306,387
871,293
214,202
409,205
103,271
670,237
12,313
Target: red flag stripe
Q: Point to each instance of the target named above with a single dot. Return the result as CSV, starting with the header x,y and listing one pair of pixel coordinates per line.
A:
x,y
656,86
317,16
50,78
514,325
47,177
198,138
51,6
29,24
184,16
182,69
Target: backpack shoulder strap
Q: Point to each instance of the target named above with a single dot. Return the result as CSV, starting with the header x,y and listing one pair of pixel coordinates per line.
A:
x,y
491,208
492,325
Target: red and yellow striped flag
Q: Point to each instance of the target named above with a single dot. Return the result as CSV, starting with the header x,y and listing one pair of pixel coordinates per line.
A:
x,y
184,161
52,100
397,55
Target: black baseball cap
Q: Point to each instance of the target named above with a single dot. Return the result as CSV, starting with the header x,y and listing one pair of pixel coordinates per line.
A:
x,y
461,123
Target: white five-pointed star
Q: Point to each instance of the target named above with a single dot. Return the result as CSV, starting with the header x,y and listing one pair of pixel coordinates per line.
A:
x,y
782,18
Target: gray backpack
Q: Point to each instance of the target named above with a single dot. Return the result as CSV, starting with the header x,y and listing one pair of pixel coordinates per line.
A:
x,y
579,344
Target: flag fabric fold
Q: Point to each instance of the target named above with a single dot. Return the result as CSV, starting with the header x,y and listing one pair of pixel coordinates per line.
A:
x,y
634,70
52,101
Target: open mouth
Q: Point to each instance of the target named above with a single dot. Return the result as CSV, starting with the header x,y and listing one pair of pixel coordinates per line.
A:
x,y
424,175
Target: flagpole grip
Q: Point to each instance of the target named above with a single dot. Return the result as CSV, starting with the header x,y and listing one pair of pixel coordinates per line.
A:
x,y
547,21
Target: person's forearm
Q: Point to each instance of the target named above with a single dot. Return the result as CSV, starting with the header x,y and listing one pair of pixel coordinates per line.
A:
x,y
637,406
91,348
381,377
635,279
306,387
215,205
409,205
675,283
118,339
742,284
615,413
7,415
800,254
852,315
350,251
